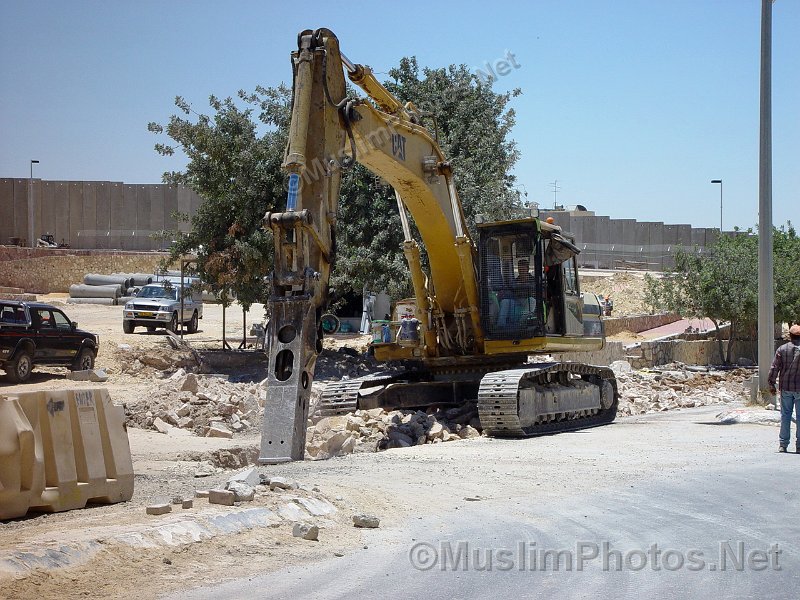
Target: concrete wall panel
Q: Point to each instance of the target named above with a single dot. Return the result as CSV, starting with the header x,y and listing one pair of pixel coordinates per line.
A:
x,y
6,210
87,236
129,216
588,236
102,219
685,236
61,206
170,207
194,204
184,206
141,238
21,208
47,223
656,245
117,214
36,188
603,240
157,196
75,212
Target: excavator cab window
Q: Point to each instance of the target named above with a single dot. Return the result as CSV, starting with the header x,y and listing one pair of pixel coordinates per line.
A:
x,y
511,281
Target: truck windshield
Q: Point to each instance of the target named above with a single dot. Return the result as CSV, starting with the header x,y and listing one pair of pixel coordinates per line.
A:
x,y
158,292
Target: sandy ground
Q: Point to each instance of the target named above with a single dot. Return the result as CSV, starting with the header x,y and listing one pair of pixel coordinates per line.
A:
x,y
165,466
401,486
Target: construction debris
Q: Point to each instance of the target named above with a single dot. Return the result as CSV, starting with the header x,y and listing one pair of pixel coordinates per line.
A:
x,y
674,386
206,406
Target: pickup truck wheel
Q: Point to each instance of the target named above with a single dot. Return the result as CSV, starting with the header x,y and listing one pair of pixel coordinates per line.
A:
x,y
173,323
192,328
128,326
18,369
84,361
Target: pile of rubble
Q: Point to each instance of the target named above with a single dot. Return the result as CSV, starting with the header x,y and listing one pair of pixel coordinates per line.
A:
x,y
376,429
154,361
206,405
674,386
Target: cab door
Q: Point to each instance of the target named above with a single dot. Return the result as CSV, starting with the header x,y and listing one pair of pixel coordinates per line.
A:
x,y
573,304
47,337
68,341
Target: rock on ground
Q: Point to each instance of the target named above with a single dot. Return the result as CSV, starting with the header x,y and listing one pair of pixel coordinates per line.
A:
x,y
366,521
305,531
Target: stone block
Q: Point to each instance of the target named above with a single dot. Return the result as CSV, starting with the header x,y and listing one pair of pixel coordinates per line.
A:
x,y
224,497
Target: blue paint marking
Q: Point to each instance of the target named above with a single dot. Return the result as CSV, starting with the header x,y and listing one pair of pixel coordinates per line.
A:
x,y
294,184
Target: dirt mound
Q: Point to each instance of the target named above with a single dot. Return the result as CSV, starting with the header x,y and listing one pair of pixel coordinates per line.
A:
x,y
627,290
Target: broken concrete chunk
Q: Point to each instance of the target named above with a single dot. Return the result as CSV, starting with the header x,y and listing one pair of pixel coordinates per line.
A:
x,y
224,497
469,432
305,531
241,491
282,483
161,426
366,521
187,503
189,383
159,509
204,469
219,431
249,476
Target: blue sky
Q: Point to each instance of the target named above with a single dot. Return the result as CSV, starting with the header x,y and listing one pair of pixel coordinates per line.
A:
x,y
632,105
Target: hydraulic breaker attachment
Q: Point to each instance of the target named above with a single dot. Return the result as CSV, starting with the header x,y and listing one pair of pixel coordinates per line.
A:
x,y
292,355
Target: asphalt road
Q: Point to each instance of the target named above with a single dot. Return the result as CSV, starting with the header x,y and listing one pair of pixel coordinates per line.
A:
x,y
667,505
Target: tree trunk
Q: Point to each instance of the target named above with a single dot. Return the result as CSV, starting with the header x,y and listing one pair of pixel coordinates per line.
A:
x,y
730,345
719,340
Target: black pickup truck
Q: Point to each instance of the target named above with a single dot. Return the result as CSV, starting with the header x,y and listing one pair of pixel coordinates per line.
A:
x,y
32,333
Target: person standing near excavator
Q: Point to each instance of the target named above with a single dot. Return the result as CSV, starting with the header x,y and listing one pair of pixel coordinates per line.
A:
x,y
787,364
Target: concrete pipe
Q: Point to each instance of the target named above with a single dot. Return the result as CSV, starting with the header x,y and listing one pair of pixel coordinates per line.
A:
x,y
140,279
80,290
96,279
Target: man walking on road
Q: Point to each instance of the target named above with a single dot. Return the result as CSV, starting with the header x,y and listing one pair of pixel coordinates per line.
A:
x,y
787,365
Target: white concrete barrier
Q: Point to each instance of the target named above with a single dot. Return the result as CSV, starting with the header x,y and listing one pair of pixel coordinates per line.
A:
x,y
84,455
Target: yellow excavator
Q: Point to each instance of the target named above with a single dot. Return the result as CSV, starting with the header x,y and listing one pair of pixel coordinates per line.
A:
x,y
481,311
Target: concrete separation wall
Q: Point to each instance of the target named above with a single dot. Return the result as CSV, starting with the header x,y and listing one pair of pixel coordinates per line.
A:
x,y
94,214
637,323
50,270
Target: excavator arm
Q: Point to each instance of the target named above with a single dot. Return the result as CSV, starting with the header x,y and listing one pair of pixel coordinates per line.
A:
x,y
328,133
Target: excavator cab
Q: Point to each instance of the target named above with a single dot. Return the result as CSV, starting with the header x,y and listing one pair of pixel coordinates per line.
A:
x,y
528,281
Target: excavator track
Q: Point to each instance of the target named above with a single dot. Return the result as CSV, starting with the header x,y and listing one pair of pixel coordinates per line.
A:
x,y
341,397
498,401
498,397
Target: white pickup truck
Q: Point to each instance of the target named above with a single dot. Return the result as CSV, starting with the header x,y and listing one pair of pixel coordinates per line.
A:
x,y
159,305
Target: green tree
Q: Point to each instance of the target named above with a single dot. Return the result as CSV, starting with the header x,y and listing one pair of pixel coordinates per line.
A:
x,y
722,284
786,246
234,164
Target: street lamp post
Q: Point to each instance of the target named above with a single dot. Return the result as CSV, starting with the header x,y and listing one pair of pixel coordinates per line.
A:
x,y
31,234
719,181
